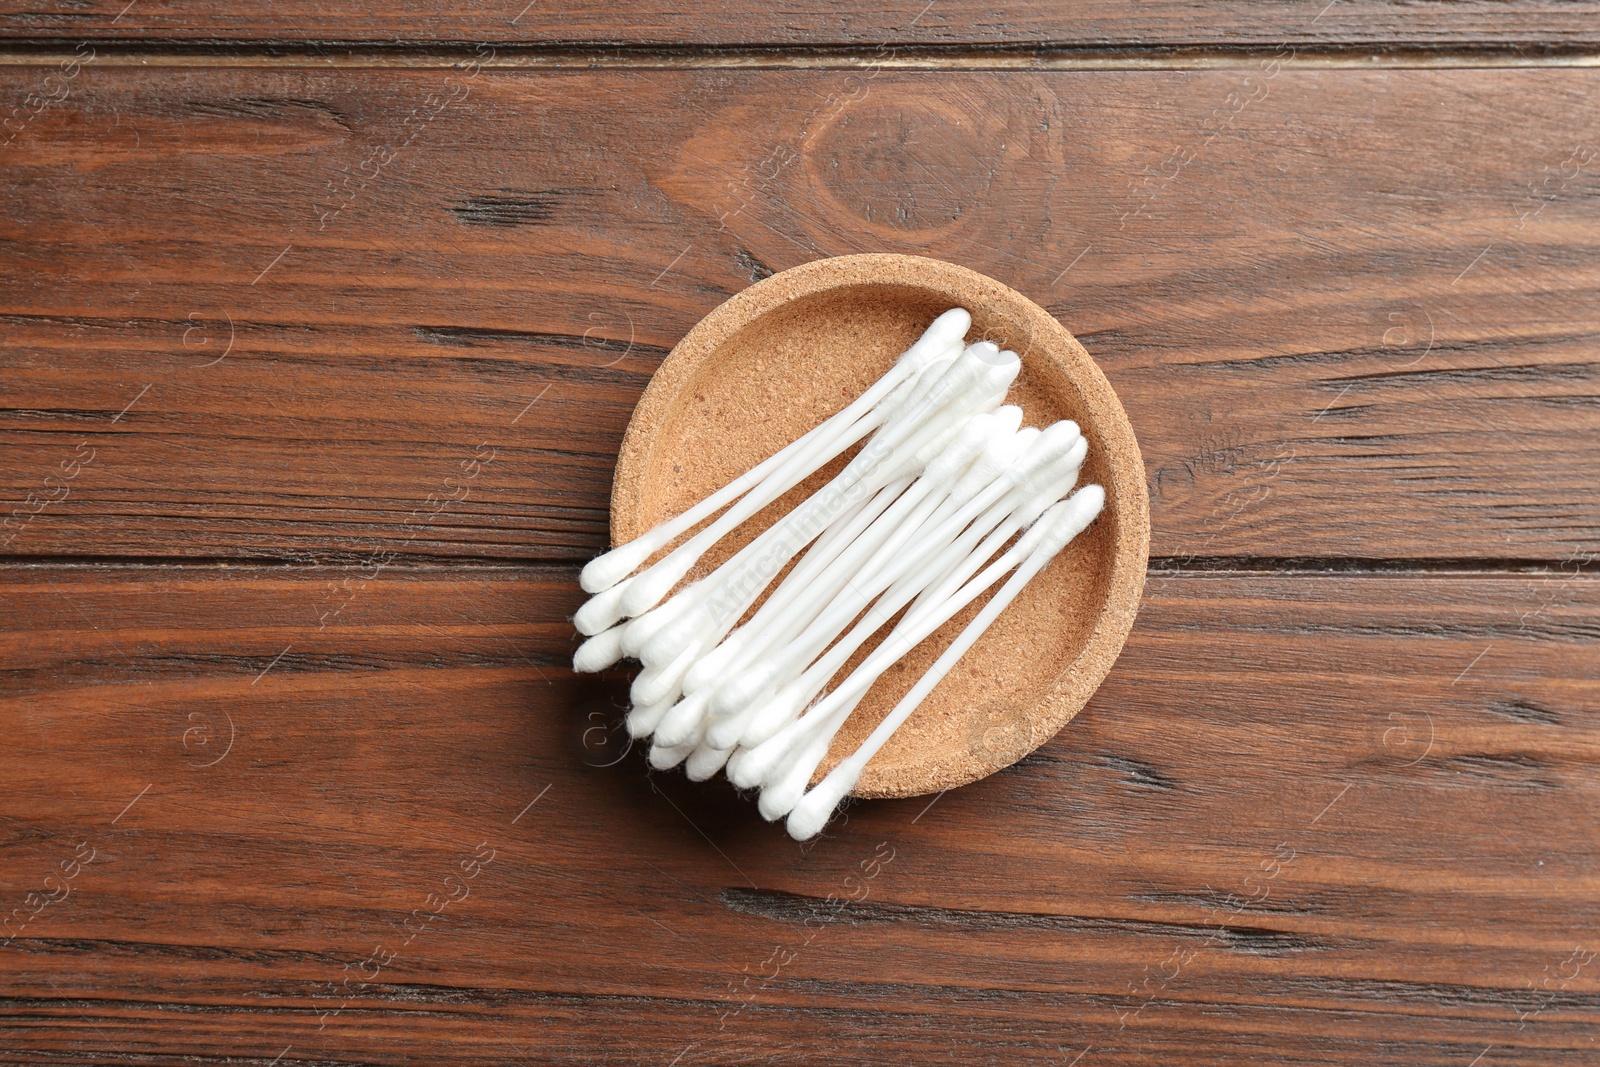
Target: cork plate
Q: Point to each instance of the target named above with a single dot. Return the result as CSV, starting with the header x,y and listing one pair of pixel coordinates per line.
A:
x,y
791,350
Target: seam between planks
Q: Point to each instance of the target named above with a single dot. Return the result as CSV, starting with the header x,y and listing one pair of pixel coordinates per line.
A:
x,y
584,56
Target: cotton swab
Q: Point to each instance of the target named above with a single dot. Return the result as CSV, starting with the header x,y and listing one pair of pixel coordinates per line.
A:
x,y
705,761
646,588
778,622
887,511
788,783
686,716
1066,521
921,521
1035,484
601,611
597,655
762,760
736,584
969,373
748,682
725,595
642,721
599,652
606,570
954,562
823,552
807,635
665,757
654,684
1060,479
910,434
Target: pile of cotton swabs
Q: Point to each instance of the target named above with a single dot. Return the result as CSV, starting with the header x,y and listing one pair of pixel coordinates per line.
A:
x,y
923,520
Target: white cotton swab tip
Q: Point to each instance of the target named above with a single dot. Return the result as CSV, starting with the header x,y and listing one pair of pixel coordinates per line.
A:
x,y
646,588
1081,508
810,813
663,633
743,689
1054,443
602,572
1057,475
1004,447
709,667
682,722
1007,418
666,757
940,335
655,684
643,720
705,761
958,455
751,767
601,611
599,652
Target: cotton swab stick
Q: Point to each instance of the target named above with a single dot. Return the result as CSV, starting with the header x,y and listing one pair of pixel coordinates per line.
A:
x,y
796,644
1034,491
1031,499
762,759
647,587
822,553
606,570
827,548
930,455
729,591
650,585
711,629
974,372
1056,441
778,624
641,632
885,516
736,584
1066,521
1060,480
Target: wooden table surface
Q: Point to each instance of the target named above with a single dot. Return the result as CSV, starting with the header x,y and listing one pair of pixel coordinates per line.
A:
x,y
322,324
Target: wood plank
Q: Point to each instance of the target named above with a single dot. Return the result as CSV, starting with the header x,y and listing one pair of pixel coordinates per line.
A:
x,y
913,23
1308,819
280,315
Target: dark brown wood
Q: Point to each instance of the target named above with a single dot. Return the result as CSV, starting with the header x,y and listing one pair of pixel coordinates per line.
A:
x,y
1308,819
895,24
319,329
363,315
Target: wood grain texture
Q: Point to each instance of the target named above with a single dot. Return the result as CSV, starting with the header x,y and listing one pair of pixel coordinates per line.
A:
x,y
341,316
895,22
1308,819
